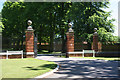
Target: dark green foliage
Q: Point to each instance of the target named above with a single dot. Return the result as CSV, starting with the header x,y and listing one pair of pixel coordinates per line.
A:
x,y
51,19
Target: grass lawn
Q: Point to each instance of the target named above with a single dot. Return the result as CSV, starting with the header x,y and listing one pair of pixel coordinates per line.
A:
x,y
25,68
103,58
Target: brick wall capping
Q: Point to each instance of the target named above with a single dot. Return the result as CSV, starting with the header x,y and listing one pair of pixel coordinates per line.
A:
x,y
29,30
69,33
95,34
70,30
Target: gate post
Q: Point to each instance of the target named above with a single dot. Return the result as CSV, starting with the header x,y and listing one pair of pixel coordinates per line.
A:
x,y
95,40
70,40
29,41
35,45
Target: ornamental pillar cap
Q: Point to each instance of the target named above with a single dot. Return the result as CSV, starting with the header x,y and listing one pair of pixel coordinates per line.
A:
x,y
71,30
29,25
70,27
95,32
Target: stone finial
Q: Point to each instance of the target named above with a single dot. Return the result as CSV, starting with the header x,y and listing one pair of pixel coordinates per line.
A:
x,y
29,25
95,31
29,22
70,27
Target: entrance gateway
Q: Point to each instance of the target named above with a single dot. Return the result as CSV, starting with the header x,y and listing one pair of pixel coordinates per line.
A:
x,y
31,41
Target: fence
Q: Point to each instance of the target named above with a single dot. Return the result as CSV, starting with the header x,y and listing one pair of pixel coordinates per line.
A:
x,y
12,44
11,54
81,46
111,47
58,47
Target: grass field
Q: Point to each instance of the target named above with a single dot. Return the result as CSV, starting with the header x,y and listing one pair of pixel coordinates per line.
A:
x,y
102,58
25,68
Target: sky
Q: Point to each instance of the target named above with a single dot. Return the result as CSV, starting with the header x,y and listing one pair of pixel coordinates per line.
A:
x,y
1,4
113,6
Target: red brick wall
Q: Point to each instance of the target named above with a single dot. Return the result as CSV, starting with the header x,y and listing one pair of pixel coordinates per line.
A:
x,y
11,56
3,57
80,46
107,55
98,47
75,55
30,56
80,55
110,47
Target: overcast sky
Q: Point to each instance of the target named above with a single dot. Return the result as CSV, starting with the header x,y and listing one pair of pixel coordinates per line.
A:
x,y
112,7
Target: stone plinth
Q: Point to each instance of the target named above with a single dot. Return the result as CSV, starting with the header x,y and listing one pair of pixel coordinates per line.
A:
x,y
29,43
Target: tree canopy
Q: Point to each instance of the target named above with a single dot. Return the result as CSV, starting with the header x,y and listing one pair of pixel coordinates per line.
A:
x,y
51,19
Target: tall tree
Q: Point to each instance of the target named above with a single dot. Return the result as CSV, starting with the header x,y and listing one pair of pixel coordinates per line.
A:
x,y
51,19
89,15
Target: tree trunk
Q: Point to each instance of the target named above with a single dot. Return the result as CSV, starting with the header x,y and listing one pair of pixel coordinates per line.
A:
x,y
51,49
51,42
18,45
40,39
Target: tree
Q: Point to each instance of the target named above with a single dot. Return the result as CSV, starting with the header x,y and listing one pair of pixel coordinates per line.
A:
x,y
89,15
51,19
13,21
1,25
106,37
62,17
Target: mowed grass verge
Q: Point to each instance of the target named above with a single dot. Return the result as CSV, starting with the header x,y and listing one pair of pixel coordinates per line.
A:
x,y
102,58
25,68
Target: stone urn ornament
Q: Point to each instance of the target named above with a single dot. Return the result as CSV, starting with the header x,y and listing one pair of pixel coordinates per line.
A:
x,y
29,25
95,31
70,27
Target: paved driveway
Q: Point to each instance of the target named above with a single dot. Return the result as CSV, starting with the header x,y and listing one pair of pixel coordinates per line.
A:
x,y
83,68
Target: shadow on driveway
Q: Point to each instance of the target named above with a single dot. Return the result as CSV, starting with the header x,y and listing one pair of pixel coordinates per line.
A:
x,y
87,69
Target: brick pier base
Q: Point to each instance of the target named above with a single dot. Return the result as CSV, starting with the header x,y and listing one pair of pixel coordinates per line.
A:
x,y
29,43
70,42
95,42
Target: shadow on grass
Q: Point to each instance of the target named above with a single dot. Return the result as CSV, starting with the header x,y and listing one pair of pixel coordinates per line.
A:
x,y
43,67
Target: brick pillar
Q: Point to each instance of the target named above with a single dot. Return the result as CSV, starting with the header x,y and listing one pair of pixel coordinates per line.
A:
x,y
29,42
70,41
99,46
95,40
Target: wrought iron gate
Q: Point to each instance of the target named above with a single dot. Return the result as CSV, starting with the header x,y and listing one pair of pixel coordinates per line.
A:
x,y
35,45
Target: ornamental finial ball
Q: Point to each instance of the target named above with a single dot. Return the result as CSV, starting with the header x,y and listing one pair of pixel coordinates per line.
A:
x,y
95,29
69,25
29,22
